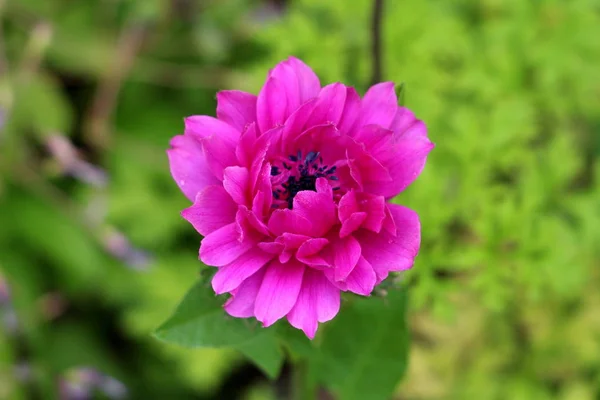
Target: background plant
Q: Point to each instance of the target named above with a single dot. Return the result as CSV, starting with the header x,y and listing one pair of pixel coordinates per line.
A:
x,y
93,254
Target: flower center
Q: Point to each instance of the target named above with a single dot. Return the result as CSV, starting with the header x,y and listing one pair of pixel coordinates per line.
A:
x,y
291,175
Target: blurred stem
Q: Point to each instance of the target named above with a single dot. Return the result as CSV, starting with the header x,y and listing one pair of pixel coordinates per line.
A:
x,y
301,387
97,130
376,41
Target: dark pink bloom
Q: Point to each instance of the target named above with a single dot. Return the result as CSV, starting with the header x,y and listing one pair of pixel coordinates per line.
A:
x,y
291,191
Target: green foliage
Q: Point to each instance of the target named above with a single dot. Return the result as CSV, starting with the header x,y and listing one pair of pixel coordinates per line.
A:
x,y
199,321
503,297
364,352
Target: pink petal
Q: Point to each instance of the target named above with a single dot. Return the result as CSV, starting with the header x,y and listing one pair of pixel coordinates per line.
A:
x,y
271,247
310,204
282,221
220,154
353,202
223,246
342,254
386,252
189,167
329,105
236,181
311,247
403,119
279,291
309,253
245,149
375,139
374,206
366,169
348,205
271,106
379,105
250,226
323,138
236,108
230,276
285,256
322,185
294,126
292,240
213,209
405,159
202,126
263,190
298,80
308,82
352,223
241,304
362,279
318,301
351,112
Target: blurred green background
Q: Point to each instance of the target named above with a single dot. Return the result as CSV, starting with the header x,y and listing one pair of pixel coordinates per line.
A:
x,y
505,294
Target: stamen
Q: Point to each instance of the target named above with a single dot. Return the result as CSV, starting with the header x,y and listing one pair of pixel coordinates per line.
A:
x,y
302,175
310,157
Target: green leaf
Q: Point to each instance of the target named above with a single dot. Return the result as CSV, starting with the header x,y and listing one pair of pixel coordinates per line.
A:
x,y
364,352
199,321
265,352
401,94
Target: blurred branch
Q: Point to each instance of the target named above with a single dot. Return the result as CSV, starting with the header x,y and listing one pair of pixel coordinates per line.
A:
x,y
96,128
39,40
376,41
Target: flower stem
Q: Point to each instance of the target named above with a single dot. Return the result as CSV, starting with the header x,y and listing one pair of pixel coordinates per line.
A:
x,y
302,389
376,41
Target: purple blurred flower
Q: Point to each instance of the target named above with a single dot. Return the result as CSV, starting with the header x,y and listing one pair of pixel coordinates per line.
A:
x,y
71,163
81,383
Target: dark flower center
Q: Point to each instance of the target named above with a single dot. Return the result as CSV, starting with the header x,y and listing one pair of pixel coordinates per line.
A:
x,y
295,174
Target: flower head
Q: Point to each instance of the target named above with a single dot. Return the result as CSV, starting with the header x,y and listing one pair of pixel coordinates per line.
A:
x,y
291,190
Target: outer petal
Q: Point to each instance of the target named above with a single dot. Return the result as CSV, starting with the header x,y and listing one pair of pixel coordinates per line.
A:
x,y
213,209
406,158
386,252
241,304
279,291
379,105
189,167
342,254
362,279
308,82
230,276
376,139
223,246
271,106
299,82
236,108
203,126
318,301
220,154
403,119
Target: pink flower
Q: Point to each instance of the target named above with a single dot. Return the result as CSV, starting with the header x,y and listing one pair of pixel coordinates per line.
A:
x,y
291,191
